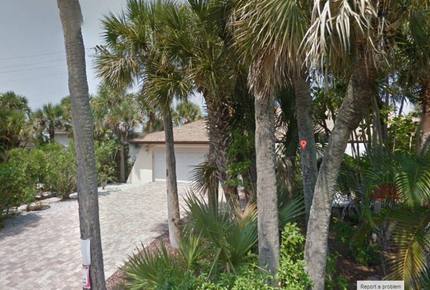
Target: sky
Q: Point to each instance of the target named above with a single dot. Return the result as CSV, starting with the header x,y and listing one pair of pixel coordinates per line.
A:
x,y
32,55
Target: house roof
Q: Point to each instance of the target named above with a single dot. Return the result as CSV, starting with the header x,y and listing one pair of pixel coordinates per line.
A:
x,y
191,133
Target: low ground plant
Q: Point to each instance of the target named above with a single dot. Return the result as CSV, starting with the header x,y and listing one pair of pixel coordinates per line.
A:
x,y
217,251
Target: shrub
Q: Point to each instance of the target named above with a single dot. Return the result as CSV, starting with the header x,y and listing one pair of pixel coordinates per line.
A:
x,y
291,274
20,175
158,270
332,279
15,189
229,233
106,161
61,175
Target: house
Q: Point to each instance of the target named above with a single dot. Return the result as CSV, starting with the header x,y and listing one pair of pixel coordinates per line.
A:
x,y
62,137
191,149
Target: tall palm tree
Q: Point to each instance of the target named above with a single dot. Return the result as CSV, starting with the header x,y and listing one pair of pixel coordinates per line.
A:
x,y
340,43
198,36
120,113
271,40
135,50
83,127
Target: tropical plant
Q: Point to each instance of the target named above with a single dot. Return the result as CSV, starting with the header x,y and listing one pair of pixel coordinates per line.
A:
x,y
14,116
230,233
270,42
158,269
83,129
342,44
136,49
186,112
118,113
292,273
60,170
46,120
106,152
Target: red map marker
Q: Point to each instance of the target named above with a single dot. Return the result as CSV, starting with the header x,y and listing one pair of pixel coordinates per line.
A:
x,y
303,144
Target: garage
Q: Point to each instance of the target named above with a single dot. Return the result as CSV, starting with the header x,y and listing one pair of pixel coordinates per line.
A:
x,y
186,160
191,148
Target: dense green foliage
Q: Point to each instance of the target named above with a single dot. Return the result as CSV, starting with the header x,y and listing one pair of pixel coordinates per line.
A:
x,y
217,251
48,168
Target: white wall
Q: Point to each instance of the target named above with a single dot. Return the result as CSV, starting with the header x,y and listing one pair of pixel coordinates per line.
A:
x,y
151,157
142,167
62,139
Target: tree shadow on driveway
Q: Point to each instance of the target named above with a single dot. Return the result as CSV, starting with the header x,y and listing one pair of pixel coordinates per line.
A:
x,y
17,224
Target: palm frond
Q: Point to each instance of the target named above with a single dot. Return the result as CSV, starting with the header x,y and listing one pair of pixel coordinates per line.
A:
x,y
412,238
291,211
267,35
335,26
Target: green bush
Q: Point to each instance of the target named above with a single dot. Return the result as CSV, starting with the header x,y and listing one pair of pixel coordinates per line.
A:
x,y
20,175
158,270
15,189
332,278
106,161
61,174
291,274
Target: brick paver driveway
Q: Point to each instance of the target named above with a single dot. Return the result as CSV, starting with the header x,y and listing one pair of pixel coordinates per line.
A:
x,y
41,250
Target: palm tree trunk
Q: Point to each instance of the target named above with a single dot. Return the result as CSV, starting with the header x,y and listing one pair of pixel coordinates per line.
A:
x,y
305,124
354,106
83,130
267,201
51,131
218,131
173,216
425,117
122,160
213,192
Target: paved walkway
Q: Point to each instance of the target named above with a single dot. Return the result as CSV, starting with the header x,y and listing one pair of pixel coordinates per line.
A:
x,y
41,250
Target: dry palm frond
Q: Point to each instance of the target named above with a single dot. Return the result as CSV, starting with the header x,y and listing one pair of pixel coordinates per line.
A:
x,y
336,26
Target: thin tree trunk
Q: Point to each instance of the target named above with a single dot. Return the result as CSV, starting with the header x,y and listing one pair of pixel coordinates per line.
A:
x,y
173,216
51,130
83,130
267,203
305,126
425,117
122,160
213,191
354,106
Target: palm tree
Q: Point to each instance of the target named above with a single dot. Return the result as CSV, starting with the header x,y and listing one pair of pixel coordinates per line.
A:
x,y
14,116
413,39
198,37
48,119
120,113
186,112
346,44
135,50
71,18
272,40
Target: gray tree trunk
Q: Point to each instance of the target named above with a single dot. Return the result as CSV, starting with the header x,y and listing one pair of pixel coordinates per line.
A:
x,y
354,106
173,215
305,124
83,130
267,201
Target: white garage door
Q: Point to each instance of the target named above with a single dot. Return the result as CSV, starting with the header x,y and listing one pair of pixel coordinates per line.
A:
x,y
186,160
